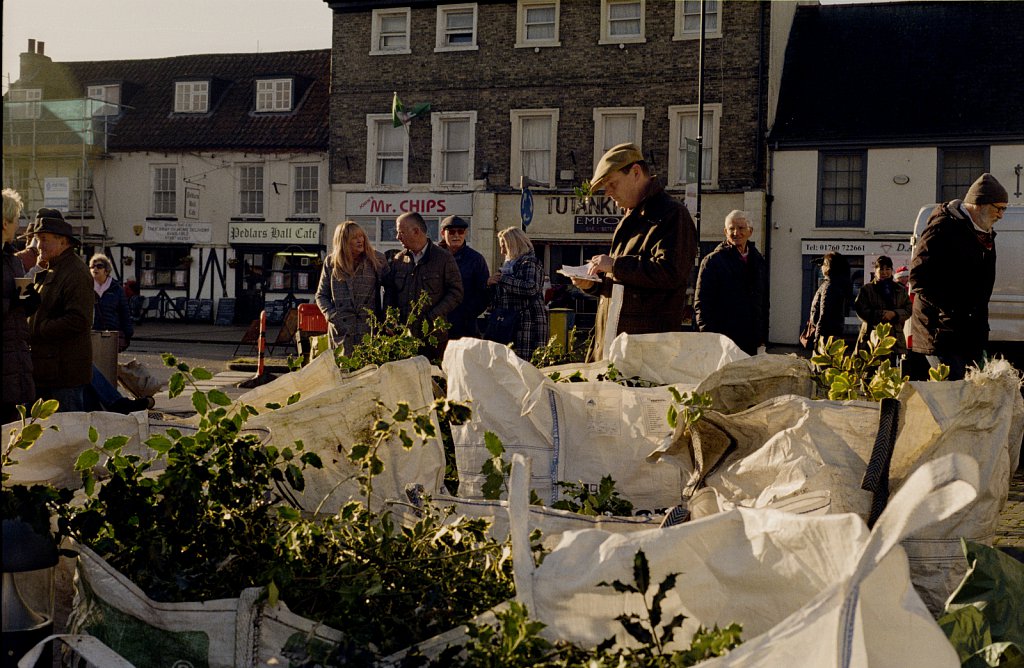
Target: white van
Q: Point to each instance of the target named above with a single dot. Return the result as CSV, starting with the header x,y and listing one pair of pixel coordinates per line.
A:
x,y
1006,308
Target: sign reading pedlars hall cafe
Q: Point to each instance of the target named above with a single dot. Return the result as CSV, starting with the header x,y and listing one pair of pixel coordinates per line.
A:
x,y
274,233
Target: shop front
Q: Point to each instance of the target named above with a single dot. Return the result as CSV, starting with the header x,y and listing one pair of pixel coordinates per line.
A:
x,y
274,263
861,255
161,262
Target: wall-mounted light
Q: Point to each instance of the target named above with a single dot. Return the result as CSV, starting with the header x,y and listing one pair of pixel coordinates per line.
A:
x,y
901,179
137,229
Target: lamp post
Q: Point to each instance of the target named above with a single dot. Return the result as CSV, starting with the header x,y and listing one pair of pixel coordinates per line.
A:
x,y
29,563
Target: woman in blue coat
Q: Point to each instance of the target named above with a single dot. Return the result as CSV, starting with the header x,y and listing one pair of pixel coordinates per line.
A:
x,y
519,286
112,312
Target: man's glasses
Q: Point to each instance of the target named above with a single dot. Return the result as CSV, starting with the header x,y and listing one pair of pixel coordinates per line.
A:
x,y
1001,208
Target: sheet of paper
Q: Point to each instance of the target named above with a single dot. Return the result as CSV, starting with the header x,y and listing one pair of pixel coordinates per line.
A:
x,y
582,271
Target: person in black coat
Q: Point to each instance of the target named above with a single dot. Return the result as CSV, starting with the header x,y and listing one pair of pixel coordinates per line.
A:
x,y
730,296
832,300
473,268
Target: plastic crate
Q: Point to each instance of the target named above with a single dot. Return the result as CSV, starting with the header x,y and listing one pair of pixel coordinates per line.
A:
x,y
311,319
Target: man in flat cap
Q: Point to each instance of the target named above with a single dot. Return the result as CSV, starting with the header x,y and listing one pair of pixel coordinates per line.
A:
x,y
652,253
473,269
952,272
59,330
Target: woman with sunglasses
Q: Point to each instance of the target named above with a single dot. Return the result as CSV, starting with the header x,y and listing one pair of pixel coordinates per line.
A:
x,y
112,312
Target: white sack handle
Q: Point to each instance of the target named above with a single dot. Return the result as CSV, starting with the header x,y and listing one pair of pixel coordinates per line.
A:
x,y
87,647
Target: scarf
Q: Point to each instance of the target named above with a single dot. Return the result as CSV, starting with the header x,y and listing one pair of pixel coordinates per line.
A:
x,y
102,287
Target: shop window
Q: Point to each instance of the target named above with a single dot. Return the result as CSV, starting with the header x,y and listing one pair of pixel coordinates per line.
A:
x,y
294,271
164,267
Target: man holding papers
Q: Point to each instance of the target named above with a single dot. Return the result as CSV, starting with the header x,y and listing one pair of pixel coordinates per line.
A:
x,y
642,280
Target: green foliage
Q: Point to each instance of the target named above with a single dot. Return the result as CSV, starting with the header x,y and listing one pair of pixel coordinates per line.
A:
x,y
212,512
938,373
555,353
584,191
495,470
611,375
33,505
515,641
578,498
864,374
689,407
390,340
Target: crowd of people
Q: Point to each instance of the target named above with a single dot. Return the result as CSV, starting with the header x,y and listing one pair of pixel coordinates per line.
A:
x,y
53,300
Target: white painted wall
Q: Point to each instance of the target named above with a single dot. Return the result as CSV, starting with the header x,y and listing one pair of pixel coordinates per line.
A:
x,y
890,208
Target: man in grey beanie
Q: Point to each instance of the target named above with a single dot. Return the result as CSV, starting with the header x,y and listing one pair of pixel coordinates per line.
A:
x,y
952,272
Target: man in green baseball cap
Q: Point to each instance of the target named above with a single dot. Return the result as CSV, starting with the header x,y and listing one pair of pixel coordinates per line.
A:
x,y
653,247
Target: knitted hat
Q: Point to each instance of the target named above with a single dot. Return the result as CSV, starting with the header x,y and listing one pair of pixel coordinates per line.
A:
x,y
615,159
986,190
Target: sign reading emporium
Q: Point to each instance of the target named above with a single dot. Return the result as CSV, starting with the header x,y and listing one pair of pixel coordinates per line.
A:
x,y
274,233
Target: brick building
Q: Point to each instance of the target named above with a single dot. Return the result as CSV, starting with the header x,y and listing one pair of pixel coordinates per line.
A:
x,y
540,89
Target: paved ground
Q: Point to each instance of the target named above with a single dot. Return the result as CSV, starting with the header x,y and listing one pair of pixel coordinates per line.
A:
x,y
213,347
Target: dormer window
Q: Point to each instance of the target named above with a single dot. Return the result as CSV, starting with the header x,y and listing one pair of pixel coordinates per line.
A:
x,y
192,97
274,95
109,94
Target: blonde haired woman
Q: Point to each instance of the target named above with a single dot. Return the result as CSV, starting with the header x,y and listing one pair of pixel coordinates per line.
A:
x,y
519,287
350,285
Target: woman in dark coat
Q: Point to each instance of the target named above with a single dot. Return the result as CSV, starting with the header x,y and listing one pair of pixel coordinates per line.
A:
x,y
832,300
883,300
519,286
112,312
18,386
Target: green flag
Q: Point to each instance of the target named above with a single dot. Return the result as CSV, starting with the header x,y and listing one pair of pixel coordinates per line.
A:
x,y
399,116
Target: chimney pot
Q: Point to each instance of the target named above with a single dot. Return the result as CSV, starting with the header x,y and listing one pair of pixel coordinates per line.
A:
x,y
39,47
31,46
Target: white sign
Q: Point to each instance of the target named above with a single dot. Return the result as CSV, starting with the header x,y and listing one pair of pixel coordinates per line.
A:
x,y
192,203
274,233
57,192
859,247
394,204
178,231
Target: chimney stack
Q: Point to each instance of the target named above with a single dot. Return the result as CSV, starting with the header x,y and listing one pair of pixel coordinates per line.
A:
x,y
31,46
39,47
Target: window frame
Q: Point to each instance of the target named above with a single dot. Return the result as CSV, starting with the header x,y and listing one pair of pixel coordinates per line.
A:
x,y
157,180
438,121
680,33
111,103
443,11
676,169
961,189
29,107
196,98
607,37
372,123
522,34
260,199
281,94
516,117
819,222
376,32
298,189
600,116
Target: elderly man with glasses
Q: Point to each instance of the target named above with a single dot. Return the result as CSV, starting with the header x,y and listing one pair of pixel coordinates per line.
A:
x,y
952,273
